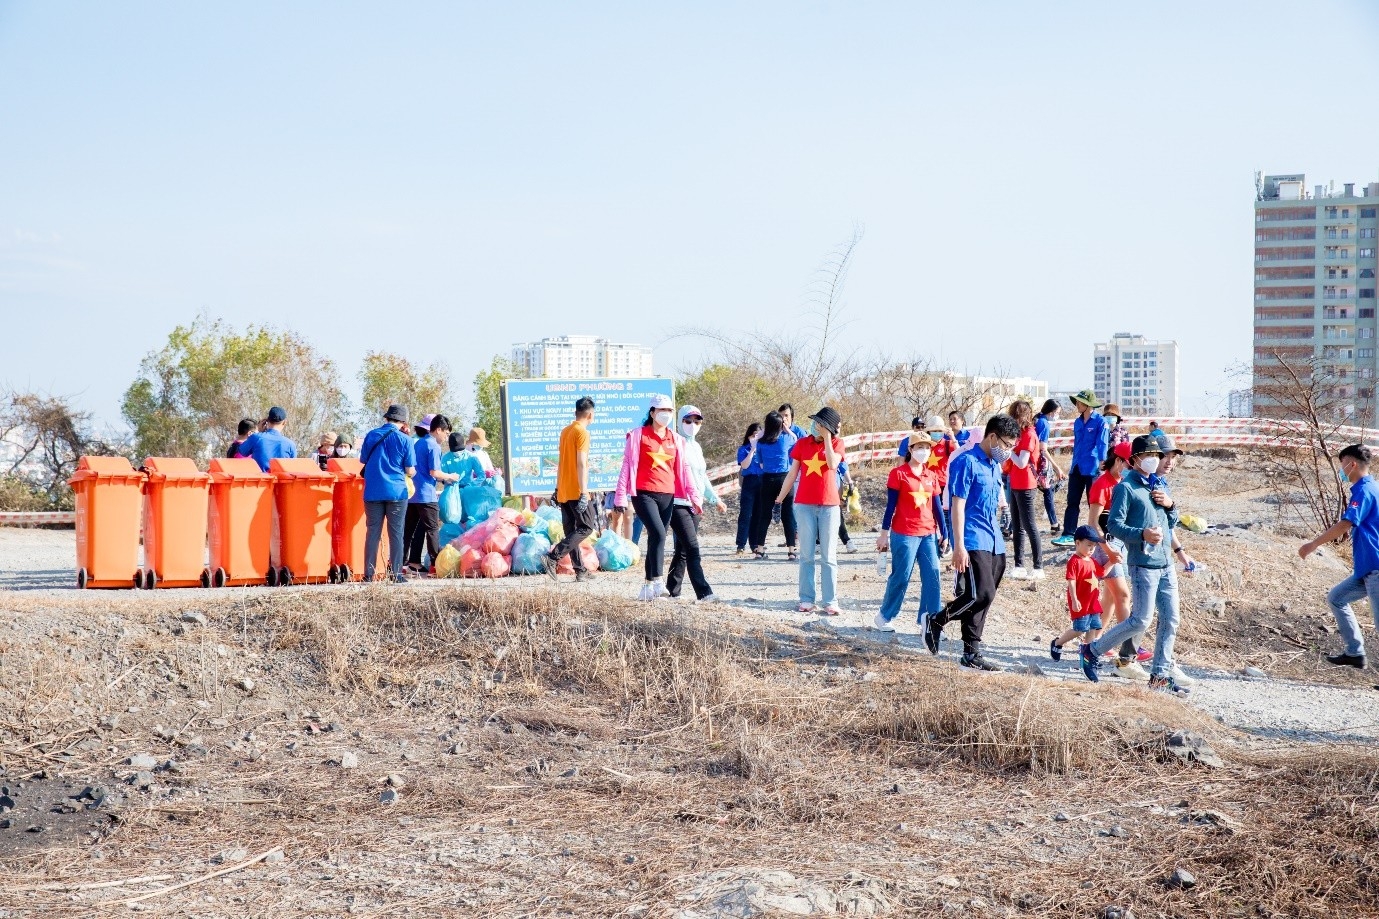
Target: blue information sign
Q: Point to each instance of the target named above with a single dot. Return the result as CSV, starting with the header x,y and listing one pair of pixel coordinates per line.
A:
x,y
536,411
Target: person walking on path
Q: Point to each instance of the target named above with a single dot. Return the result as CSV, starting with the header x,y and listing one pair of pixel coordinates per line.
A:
x,y
1020,470
749,465
572,492
1089,450
784,511
388,459
974,487
773,448
269,444
1049,474
910,531
423,520
686,551
1115,584
814,464
1361,522
1143,516
1084,602
916,428
654,473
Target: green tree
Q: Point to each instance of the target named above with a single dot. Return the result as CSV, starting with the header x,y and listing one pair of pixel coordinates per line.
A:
x,y
488,396
389,379
731,397
48,437
190,394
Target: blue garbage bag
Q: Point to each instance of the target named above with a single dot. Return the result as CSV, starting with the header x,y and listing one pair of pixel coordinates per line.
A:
x,y
614,552
451,506
527,553
450,532
549,513
466,465
479,501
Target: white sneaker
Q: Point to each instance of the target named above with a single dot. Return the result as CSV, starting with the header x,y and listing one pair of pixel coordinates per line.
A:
x,y
881,625
707,598
1037,574
850,549
1132,671
648,592
1019,574
1182,679
658,589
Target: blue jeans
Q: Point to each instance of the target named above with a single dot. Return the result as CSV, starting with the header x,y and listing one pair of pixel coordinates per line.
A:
x,y
818,523
905,551
1150,589
375,513
1339,599
746,503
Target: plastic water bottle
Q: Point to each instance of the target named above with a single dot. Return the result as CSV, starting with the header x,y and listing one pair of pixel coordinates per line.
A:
x,y
881,566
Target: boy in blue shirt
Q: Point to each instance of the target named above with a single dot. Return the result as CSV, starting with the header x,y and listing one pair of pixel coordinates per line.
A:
x,y
1361,521
388,462
270,443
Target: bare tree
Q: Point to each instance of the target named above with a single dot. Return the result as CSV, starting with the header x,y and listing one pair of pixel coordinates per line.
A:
x,y
44,438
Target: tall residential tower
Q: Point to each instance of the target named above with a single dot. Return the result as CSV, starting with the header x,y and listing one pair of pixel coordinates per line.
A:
x,y
1138,375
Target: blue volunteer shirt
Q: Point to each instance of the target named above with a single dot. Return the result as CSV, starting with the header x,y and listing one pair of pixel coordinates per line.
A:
x,y
266,446
1041,428
974,476
1089,444
775,458
386,452
754,467
1363,514
428,455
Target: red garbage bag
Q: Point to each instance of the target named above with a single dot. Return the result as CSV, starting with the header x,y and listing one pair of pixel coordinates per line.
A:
x,y
476,537
469,561
495,565
508,515
590,557
502,538
565,566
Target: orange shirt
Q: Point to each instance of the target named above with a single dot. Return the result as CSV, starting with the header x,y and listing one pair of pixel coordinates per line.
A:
x,y
656,464
574,440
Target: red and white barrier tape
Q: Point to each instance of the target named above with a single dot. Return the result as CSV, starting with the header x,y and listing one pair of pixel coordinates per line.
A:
x,y
32,518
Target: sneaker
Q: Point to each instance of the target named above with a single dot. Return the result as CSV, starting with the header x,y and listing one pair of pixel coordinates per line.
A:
x,y
933,632
1090,664
1347,660
1167,684
1018,573
707,598
659,589
1055,652
1144,655
1130,670
740,553
1182,679
1063,541
805,608
977,662
850,549
550,566
648,593
1036,574
833,609
583,576
881,624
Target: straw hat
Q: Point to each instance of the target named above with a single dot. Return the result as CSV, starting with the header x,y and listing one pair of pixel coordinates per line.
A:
x,y
478,437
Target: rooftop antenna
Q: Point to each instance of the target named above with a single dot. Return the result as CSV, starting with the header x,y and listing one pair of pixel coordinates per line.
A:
x,y
1259,185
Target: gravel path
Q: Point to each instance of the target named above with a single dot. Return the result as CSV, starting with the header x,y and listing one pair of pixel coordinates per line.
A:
x,y
1270,709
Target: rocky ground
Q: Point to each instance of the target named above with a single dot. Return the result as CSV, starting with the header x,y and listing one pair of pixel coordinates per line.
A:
x,y
512,748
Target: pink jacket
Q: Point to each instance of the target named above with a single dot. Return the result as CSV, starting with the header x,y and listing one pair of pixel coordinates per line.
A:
x,y
627,479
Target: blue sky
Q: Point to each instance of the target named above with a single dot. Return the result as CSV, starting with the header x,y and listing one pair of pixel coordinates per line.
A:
x,y
443,179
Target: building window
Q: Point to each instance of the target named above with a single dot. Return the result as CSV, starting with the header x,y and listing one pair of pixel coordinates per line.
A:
x,y
1367,212
1345,212
1364,333
1366,352
1367,233
1366,253
1366,312
1366,293
1345,232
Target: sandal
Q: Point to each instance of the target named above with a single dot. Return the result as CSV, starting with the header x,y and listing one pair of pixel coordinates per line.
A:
x,y
792,556
759,553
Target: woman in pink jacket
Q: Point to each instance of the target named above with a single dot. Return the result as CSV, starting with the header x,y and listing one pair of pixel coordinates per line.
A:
x,y
655,473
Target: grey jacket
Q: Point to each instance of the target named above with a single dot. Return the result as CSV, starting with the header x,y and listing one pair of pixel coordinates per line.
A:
x,y
1132,512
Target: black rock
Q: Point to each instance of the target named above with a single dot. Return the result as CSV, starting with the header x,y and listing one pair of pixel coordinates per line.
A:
x,y
1182,879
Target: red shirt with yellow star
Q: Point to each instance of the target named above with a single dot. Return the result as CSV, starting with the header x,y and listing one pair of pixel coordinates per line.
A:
x,y
1083,573
914,507
656,465
939,455
818,483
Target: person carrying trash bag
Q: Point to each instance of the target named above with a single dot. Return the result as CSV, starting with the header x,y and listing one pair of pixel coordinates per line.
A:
x,y
388,461
577,510
654,473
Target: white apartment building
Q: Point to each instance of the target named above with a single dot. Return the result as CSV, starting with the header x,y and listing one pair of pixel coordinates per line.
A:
x,y
582,357
1139,375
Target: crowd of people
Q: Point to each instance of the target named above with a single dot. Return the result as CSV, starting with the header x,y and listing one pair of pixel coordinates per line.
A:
x,y
957,491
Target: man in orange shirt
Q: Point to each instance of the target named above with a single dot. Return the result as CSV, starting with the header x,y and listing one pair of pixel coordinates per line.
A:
x,y
572,492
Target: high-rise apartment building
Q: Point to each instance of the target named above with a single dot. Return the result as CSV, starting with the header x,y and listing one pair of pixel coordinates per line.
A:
x,y
1314,289
1139,375
582,357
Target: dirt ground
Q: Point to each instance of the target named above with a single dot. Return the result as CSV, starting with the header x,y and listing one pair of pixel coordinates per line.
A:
x,y
562,751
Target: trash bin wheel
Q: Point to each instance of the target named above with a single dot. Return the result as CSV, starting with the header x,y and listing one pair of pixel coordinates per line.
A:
x,y
82,578
344,574
218,577
150,580
330,574
138,579
272,577
205,577
284,576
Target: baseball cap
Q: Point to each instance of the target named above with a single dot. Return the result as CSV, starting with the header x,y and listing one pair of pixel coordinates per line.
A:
x,y
1087,532
1166,444
276,415
660,401
1122,450
1145,443
689,411
1088,398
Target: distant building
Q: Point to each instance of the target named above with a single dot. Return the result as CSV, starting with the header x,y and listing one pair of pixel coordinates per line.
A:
x,y
1139,375
582,357
1309,247
1241,404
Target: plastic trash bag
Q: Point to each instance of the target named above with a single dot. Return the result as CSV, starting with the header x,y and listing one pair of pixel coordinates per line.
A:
x,y
549,513
451,506
494,565
476,536
508,515
501,539
450,532
589,557
854,502
555,532
469,562
479,502
447,562
516,502
529,520
614,553
528,552
1193,523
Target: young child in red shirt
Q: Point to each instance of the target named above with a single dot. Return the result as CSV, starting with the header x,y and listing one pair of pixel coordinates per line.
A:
x,y
1084,596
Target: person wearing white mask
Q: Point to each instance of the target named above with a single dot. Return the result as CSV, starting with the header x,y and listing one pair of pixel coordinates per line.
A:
x,y
654,473
691,422
910,532
1143,515
344,446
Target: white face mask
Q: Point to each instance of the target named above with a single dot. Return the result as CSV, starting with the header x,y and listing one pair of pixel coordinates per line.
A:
x,y
1149,465
689,429
342,451
919,456
663,418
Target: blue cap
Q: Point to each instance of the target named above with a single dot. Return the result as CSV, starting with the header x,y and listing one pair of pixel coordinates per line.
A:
x,y
1088,532
276,415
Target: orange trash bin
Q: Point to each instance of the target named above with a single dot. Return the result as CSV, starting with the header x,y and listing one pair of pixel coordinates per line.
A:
x,y
348,528
176,496
240,523
304,494
110,495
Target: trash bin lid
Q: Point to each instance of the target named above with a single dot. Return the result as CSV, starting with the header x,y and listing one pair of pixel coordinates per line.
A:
x,y
173,468
345,467
237,470
103,467
301,468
